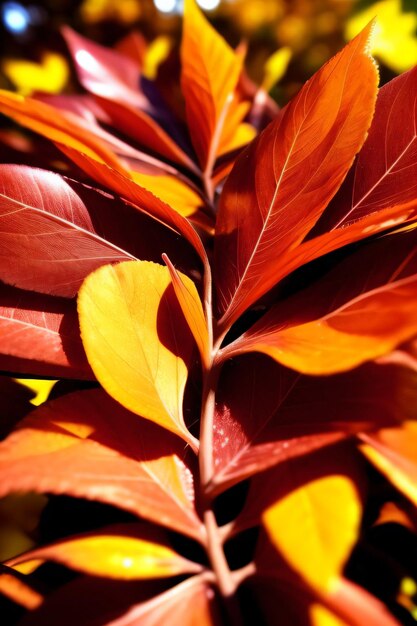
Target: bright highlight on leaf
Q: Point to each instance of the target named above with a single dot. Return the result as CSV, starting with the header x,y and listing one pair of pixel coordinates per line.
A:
x,y
315,527
137,341
115,555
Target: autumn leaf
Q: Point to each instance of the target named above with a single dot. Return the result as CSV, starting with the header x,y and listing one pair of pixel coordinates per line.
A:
x,y
314,536
146,335
125,552
210,72
76,444
263,209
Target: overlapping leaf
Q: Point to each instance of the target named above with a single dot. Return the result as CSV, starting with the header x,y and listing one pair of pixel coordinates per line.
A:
x,y
140,348
265,210
40,335
391,148
55,232
314,536
267,415
339,323
88,446
127,552
393,452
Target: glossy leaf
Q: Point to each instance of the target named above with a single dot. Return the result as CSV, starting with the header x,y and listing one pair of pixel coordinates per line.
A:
x,y
40,335
393,452
127,553
140,348
191,602
86,445
192,309
313,535
61,247
267,415
263,209
391,148
358,311
210,72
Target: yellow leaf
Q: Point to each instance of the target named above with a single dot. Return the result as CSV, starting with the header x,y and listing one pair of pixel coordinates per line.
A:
x,y
49,76
156,52
315,527
41,388
137,341
275,67
395,41
114,556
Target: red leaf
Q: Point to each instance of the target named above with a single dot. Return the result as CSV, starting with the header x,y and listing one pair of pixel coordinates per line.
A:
x,y
105,72
282,182
55,232
391,149
140,197
88,446
267,415
40,335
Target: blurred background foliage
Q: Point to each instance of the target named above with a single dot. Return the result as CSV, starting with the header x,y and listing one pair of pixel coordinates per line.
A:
x,y
289,38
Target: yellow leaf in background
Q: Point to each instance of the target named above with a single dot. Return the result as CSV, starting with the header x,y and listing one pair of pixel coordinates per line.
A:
x,y
315,527
275,67
156,52
49,76
41,388
114,556
125,11
395,41
137,340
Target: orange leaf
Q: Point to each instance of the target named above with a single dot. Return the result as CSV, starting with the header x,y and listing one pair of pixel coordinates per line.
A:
x,y
62,127
87,445
190,303
364,328
210,73
122,552
265,210
140,347
13,587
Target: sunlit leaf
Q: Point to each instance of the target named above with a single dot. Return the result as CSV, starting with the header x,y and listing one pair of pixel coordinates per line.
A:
x,y
139,348
395,41
192,309
313,535
264,211
358,311
276,66
88,446
210,72
123,552
391,148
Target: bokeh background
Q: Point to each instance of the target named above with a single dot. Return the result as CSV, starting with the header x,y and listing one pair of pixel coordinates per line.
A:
x,y
287,39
